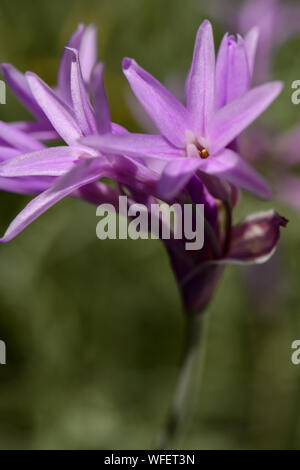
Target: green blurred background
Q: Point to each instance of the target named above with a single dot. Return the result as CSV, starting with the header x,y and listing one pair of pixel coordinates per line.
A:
x,y
94,329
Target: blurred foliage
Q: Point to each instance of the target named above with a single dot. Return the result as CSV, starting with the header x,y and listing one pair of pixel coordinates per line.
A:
x,y
94,329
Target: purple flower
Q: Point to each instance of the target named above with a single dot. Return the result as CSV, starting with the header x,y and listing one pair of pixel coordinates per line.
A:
x,y
14,142
253,241
73,169
197,136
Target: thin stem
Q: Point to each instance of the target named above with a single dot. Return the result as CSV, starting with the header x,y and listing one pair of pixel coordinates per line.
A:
x,y
178,405
228,227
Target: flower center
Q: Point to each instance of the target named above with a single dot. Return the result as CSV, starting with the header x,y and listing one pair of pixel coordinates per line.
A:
x,y
194,148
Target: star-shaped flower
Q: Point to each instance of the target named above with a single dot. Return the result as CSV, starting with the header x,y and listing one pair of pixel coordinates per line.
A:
x,y
198,136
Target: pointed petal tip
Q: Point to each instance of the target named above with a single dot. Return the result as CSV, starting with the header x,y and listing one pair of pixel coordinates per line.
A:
x,y
266,193
5,66
127,62
205,27
100,66
277,86
206,24
32,78
255,30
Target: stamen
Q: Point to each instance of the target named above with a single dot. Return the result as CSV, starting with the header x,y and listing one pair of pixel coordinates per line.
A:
x,y
203,154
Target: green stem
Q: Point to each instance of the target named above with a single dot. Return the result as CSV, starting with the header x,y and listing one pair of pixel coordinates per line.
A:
x,y
178,404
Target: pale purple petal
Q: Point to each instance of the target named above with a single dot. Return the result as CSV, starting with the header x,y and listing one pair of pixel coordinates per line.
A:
x,y
176,175
18,84
136,145
232,168
100,100
201,82
58,113
64,71
41,130
7,152
80,100
232,71
52,161
239,73
18,139
88,52
168,114
251,41
236,116
81,174
118,129
27,185
222,73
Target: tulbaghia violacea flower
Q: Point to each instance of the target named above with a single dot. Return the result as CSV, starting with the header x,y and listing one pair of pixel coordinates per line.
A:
x,y
73,169
198,136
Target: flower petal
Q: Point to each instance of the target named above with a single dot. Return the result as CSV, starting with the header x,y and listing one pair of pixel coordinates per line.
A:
x,y
175,176
201,81
255,239
26,185
52,161
232,168
222,73
7,153
136,145
58,113
233,118
251,41
40,130
100,100
18,84
232,71
81,174
88,53
168,114
18,139
64,71
80,101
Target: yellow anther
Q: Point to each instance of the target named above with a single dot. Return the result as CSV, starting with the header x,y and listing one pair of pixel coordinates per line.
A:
x,y
203,153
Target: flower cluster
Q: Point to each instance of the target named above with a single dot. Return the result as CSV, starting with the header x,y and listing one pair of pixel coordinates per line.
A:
x,y
194,157
277,21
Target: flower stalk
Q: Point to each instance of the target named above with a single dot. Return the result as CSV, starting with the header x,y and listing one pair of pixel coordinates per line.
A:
x,y
182,388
